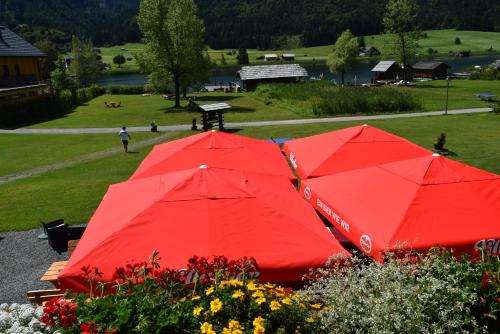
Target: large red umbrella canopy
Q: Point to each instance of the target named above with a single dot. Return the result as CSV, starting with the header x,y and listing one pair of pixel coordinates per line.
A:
x,y
347,149
216,149
203,212
413,204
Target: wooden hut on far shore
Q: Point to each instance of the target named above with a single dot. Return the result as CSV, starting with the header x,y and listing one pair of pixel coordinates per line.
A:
x,y
251,76
389,70
436,70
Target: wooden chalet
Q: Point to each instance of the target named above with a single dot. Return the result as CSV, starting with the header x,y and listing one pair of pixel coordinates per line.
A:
x,y
20,74
431,70
368,51
288,57
251,76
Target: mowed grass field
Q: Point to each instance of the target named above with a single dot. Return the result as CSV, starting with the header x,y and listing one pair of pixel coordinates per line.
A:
x,y
75,192
137,110
443,41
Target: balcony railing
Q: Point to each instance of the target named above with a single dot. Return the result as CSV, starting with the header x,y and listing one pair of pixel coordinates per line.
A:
x,y
18,81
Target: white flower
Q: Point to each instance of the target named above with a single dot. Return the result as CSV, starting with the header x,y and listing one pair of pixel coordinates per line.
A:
x,y
5,321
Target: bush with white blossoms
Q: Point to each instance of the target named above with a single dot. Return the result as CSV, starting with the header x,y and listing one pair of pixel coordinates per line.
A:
x,y
21,319
414,293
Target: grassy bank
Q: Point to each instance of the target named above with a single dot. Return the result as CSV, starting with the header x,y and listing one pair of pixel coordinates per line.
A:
x,y
74,193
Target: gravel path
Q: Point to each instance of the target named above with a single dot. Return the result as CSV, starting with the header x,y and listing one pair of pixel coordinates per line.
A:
x,y
23,260
248,124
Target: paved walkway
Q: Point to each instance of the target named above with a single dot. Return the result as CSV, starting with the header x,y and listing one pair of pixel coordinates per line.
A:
x,y
86,158
248,124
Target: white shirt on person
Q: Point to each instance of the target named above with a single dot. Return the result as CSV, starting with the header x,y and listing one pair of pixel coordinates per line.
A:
x,y
124,135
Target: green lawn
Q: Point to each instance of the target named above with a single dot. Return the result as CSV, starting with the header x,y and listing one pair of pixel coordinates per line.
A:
x,y
478,42
137,110
21,152
441,40
75,192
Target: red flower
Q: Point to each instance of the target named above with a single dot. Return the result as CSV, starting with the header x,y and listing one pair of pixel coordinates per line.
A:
x,y
485,282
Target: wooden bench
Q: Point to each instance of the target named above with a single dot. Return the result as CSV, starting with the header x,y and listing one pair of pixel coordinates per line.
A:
x,y
53,271
42,296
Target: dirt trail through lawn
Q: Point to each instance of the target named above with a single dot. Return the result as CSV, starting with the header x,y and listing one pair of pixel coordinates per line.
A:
x,y
86,158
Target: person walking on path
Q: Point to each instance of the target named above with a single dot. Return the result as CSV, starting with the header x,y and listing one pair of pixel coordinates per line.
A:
x,y
125,138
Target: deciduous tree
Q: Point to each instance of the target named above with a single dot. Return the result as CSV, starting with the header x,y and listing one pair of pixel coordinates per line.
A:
x,y
344,52
399,22
85,66
175,43
119,60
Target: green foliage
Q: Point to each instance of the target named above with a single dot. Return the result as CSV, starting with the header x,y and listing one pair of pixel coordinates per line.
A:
x,y
489,73
416,293
175,46
286,42
327,99
344,52
85,65
124,90
458,41
166,302
242,57
60,79
399,22
48,63
119,60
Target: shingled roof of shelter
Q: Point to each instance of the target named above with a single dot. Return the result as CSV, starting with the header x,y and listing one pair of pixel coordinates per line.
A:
x,y
383,66
428,65
11,45
272,72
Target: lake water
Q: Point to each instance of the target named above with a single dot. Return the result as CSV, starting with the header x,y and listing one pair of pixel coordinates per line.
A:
x,y
359,72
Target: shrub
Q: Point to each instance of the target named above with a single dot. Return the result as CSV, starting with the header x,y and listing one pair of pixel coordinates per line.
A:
x,y
458,41
489,73
432,293
327,99
124,90
210,296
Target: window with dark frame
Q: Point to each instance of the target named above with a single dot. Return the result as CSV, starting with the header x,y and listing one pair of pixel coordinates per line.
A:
x,y
17,69
6,72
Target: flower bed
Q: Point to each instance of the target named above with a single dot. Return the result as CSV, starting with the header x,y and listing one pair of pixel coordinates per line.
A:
x,y
21,318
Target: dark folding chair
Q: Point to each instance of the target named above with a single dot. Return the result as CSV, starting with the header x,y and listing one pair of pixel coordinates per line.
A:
x,y
57,234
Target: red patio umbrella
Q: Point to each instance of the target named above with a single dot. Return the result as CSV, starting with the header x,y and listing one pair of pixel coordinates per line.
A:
x,y
414,204
203,212
347,149
216,149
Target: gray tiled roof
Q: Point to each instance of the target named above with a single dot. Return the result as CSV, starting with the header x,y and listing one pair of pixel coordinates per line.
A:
x,y
272,71
215,106
383,66
11,45
428,65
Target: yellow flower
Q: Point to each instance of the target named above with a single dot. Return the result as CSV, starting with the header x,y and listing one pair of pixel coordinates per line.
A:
x,y
182,300
209,291
237,331
275,305
258,294
259,330
238,294
328,308
316,306
195,298
269,285
215,305
251,286
310,319
286,301
197,311
260,300
259,321
234,324
226,331
206,328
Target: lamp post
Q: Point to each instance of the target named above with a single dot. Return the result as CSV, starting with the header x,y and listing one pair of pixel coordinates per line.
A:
x,y
447,89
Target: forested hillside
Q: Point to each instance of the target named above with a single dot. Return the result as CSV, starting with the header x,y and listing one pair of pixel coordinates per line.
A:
x,y
234,23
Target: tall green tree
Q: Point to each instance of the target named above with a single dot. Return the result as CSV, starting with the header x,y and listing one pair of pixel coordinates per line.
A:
x,y
60,79
344,52
175,41
399,22
49,62
119,60
86,65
